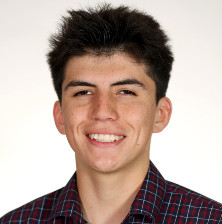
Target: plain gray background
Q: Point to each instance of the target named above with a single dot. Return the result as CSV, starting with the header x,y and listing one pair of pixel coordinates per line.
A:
x,y
35,159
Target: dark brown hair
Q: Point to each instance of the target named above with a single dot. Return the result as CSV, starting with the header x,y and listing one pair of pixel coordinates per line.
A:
x,y
106,30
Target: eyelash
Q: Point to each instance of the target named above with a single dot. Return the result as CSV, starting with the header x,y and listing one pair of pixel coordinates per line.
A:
x,y
82,93
127,92
87,92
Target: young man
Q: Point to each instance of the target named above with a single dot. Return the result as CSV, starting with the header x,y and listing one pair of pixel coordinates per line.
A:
x,y
111,68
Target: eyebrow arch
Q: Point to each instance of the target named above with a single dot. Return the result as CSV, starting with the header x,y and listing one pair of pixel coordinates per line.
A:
x,y
78,83
129,82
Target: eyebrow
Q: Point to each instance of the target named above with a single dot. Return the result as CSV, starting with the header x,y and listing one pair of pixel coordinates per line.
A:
x,y
78,83
128,82
119,83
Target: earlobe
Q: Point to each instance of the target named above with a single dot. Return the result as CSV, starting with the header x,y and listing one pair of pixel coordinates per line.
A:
x,y
163,114
58,117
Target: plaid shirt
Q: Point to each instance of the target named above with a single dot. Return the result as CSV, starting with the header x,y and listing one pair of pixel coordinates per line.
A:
x,y
158,201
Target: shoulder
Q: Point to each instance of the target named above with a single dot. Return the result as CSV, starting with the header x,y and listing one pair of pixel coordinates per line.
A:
x,y
189,206
39,208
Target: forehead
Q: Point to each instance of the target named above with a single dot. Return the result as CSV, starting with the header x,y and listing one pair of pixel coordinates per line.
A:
x,y
105,68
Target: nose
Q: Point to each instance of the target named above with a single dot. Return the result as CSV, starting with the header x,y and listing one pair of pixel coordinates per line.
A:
x,y
104,108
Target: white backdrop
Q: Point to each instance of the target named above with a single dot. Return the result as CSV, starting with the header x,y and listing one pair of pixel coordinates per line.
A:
x,y
35,159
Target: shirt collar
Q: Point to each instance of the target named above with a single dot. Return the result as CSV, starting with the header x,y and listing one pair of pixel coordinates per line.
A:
x,y
68,202
147,202
151,195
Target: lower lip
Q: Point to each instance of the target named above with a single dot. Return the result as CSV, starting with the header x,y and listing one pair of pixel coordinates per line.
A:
x,y
105,144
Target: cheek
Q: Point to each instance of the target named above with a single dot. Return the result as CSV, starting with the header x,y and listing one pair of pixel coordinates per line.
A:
x,y
140,115
73,117
73,120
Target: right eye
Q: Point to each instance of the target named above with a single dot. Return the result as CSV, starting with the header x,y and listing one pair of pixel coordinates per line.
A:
x,y
82,93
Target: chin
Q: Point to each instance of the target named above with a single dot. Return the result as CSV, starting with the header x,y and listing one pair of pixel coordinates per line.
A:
x,y
105,166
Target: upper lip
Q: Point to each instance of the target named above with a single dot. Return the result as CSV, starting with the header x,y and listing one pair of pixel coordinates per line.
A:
x,y
105,133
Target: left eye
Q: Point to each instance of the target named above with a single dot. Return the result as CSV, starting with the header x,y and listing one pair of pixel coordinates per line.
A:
x,y
127,92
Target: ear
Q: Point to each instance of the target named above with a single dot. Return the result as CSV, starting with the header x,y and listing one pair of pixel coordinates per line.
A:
x,y
163,113
58,117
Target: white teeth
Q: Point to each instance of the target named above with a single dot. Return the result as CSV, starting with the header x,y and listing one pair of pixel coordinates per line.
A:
x,y
105,138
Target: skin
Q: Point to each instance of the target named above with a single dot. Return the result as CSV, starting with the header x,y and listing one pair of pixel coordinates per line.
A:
x,y
109,95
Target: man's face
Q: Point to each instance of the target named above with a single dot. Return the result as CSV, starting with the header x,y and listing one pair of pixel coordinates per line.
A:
x,y
108,112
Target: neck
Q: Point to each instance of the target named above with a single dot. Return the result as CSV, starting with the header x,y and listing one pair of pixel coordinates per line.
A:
x,y
107,197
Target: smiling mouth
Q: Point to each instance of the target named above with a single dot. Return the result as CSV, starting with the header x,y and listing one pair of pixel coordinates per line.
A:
x,y
105,137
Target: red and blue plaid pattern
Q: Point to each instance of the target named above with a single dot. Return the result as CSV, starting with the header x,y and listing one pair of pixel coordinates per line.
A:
x,y
158,201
